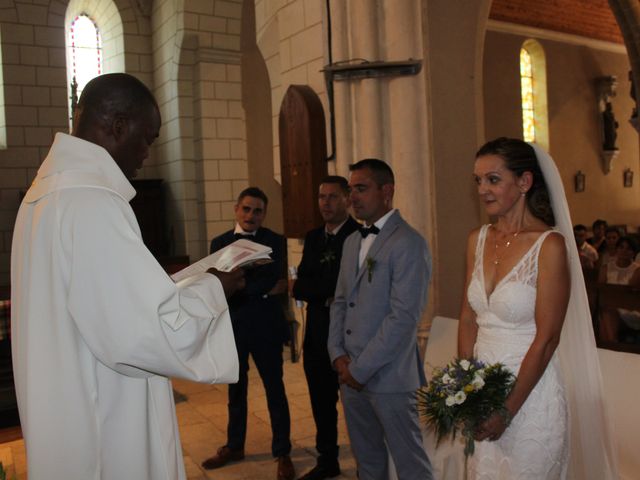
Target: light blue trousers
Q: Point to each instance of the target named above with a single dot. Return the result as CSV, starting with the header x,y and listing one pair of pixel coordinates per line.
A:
x,y
378,420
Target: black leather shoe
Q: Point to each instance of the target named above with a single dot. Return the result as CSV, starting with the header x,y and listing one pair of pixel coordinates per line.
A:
x,y
320,472
223,456
285,468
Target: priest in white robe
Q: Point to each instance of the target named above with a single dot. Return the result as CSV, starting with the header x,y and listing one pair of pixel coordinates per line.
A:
x,y
97,325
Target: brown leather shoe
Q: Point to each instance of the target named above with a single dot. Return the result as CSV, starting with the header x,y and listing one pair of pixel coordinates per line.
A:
x,y
223,456
285,468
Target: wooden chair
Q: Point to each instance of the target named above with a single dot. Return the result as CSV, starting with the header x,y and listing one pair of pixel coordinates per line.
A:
x,y
8,404
610,298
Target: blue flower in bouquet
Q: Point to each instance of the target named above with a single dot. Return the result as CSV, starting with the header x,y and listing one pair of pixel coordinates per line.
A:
x,y
462,395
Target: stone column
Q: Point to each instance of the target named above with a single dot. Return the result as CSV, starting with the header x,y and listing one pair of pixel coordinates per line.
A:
x,y
367,93
408,133
341,90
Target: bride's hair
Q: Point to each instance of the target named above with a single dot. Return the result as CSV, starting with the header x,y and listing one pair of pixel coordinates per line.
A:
x,y
520,157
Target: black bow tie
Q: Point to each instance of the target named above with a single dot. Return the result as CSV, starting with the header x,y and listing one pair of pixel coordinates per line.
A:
x,y
364,231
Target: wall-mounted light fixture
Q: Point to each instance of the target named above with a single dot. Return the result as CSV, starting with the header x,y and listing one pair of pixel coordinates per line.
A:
x,y
579,181
627,177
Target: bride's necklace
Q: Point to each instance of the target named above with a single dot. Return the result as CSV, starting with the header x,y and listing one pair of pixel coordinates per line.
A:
x,y
496,257
511,237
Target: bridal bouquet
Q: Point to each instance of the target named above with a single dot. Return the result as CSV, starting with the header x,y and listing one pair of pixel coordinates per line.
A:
x,y
462,395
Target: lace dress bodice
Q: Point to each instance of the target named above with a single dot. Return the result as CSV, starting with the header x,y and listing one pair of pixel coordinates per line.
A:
x,y
535,446
507,315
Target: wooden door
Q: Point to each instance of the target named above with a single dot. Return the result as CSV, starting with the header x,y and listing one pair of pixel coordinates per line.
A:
x,y
303,158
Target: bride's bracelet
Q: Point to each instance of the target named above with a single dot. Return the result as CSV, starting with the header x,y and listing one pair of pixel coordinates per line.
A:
x,y
506,416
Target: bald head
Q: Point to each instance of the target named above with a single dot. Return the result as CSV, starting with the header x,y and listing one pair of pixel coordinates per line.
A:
x,y
119,113
108,96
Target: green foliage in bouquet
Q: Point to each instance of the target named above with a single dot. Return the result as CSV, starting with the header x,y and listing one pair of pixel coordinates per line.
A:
x,y
461,396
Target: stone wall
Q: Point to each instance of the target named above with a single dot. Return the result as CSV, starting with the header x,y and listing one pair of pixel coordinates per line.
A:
x,y
35,86
574,120
35,104
200,153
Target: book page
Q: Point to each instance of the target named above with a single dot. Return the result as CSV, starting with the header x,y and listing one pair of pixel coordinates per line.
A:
x,y
240,253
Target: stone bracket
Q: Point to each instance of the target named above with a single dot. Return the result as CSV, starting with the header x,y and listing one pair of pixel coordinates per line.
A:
x,y
608,156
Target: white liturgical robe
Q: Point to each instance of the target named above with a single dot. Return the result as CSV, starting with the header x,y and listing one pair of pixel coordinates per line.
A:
x,y
98,326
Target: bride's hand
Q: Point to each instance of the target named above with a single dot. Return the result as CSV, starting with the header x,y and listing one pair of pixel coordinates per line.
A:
x,y
492,428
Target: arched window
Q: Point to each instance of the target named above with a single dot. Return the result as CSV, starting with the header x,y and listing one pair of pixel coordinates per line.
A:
x,y
533,89
84,56
526,87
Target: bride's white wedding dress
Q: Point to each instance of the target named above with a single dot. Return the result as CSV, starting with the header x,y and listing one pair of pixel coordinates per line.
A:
x,y
535,446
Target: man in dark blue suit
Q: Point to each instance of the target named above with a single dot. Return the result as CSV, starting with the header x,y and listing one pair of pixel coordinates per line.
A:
x,y
260,329
316,283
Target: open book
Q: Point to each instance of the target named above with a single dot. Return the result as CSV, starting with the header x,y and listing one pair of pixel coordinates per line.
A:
x,y
240,253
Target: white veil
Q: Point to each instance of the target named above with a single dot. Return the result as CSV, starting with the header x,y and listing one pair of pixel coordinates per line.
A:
x,y
592,448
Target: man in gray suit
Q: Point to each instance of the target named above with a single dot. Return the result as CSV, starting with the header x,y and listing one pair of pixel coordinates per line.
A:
x,y
380,295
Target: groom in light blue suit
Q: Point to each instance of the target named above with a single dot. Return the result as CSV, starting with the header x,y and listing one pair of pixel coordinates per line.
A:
x,y
380,295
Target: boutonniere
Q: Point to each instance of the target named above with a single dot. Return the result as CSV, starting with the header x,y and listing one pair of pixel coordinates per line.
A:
x,y
371,263
328,256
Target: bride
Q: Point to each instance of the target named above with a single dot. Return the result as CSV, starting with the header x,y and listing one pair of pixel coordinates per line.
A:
x,y
526,307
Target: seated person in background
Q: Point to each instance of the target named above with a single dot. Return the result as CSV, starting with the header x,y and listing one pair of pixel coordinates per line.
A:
x,y
598,240
588,254
608,254
623,270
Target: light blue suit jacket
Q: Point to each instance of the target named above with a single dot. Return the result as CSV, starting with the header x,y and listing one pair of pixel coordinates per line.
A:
x,y
374,318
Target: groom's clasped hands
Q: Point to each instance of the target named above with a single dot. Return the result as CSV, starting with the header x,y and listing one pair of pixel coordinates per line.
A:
x,y
341,365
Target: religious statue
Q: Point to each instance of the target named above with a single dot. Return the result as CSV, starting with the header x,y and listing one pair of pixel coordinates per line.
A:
x,y
632,93
609,127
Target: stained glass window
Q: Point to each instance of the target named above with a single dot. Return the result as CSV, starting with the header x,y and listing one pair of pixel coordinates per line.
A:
x,y
85,43
526,89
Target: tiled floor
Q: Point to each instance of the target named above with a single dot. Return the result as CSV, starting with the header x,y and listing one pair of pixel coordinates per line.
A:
x,y
203,420
203,423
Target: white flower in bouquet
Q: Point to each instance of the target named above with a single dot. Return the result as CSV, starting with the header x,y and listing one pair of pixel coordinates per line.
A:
x,y
461,395
477,383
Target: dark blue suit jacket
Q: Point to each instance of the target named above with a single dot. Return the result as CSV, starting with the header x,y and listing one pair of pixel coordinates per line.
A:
x,y
320,264
316,283
252,311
